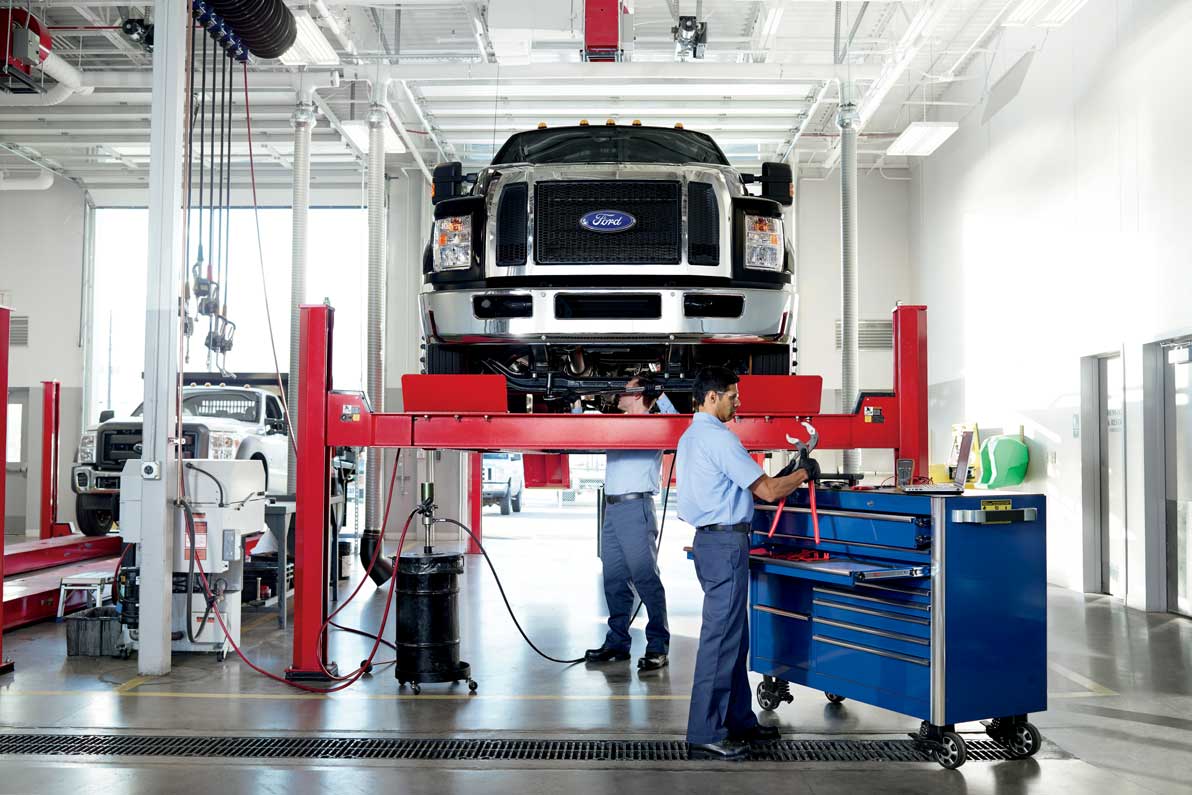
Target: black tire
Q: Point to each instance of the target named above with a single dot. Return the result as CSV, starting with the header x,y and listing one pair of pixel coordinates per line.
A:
x,y
771,360
767,699
265,467
515,502
444,361
94,522
952,752
835,699
506,502
1023,740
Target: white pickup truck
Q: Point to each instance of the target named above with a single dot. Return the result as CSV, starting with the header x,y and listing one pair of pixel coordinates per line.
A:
x,y
221,422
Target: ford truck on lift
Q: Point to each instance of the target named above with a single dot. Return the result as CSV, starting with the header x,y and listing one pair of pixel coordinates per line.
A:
x,y
582,255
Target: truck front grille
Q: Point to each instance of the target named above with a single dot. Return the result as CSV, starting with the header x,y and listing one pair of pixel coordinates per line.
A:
x,y
655,239
117,445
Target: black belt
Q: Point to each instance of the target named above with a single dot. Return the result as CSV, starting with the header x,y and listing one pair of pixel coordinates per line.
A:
x,y
736,527
613,499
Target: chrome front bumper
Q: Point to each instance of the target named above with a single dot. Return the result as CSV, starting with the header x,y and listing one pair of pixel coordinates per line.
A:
x,y
86,479
766,316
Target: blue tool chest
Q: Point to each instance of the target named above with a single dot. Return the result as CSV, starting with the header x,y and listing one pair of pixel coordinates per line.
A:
x,y
931,606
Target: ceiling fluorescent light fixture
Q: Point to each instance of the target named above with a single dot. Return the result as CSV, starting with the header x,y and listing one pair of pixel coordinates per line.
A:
x,y
1060,13
357,132
921,138
311,48
1024,13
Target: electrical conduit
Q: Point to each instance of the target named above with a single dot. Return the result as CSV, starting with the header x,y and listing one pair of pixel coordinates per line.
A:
x,y
373,534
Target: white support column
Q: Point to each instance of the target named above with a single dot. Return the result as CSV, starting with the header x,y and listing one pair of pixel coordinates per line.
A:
x,y
159,465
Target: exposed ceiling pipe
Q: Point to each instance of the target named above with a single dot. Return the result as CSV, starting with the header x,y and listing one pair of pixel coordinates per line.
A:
x,y
41,182
848,120
381,92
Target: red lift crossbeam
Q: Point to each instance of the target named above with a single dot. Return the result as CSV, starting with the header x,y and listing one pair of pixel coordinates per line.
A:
x,y
894,421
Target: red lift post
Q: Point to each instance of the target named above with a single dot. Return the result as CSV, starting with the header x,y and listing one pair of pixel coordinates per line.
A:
x,y
6,665
51,417
471,413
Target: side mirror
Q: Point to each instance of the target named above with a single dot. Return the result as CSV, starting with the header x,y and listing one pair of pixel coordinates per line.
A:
x,y
106,415
276,425
448,178
777,183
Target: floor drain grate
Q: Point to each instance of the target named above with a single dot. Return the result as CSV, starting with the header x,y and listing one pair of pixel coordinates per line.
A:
x,y
465,749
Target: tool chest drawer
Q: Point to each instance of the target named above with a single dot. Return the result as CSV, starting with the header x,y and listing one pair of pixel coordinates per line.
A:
x,y
900,675
870,616
841,571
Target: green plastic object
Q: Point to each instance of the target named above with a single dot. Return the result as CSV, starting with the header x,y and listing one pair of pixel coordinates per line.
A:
x,y
1004,461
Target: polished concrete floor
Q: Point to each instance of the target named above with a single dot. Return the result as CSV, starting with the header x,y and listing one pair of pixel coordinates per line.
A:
x,y
1120,684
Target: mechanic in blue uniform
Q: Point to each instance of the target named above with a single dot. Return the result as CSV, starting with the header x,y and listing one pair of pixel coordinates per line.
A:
x,y
717,482
629,539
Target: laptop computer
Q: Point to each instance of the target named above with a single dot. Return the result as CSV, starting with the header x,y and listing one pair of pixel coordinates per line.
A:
x,y
958,480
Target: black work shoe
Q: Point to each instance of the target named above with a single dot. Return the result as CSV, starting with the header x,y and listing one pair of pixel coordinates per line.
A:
x,y
724,751
758,734
605,654
652,661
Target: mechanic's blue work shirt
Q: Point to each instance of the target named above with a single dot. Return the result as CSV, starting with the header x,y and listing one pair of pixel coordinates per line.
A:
x,y
629,471
715,474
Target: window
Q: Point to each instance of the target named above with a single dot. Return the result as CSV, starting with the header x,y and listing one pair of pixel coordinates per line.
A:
x,y
15,415
337,236
273,409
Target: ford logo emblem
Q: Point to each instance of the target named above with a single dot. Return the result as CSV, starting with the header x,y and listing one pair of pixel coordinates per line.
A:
x,y
607,221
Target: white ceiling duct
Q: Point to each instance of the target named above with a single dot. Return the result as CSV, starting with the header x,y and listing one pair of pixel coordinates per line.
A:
x,y
70,82
41,182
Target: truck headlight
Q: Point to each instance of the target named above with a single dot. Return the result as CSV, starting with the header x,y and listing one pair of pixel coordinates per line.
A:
x,y
87,449
453,243
763,243
222,444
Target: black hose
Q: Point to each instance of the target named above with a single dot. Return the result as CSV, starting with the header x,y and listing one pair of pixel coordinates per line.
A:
x,y
267,27
505,598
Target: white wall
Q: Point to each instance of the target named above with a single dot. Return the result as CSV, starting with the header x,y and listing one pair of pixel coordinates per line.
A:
x,y
884,279
1059,229
41,268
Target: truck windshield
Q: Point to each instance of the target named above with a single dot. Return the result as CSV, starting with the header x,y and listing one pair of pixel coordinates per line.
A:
x,y
611,145
228,405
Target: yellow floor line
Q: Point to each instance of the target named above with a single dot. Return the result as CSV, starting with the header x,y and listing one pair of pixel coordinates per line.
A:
x,y
133,683
1082,680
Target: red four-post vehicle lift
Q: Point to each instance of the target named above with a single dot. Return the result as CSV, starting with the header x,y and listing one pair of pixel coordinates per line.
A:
x,y
471,414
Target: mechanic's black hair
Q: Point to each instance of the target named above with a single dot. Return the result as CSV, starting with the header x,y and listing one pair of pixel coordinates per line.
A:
x,y
652,384
711,379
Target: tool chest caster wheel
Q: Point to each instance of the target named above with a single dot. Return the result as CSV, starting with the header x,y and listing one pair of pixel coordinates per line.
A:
x,y
472,685
1023,740
416,688
772,693
951,751
835,699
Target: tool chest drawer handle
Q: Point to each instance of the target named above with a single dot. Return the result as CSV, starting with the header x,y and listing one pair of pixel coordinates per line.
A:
x,y
871,631
857,647
891,574
876,613
878,600
783,613
960,516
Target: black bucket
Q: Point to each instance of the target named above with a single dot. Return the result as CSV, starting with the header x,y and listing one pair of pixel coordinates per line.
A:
x,y
428,619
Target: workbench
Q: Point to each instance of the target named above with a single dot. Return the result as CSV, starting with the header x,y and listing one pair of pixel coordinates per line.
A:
x,y
931,606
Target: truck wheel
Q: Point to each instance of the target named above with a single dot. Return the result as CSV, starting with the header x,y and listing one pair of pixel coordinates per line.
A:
x,y
506,503
771,362
516,503
94,522
444,361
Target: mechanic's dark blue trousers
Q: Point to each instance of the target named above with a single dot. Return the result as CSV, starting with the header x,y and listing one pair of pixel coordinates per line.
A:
x,y
721,701
628,547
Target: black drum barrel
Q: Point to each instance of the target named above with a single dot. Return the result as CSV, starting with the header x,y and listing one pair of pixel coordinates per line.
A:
x,y
428,617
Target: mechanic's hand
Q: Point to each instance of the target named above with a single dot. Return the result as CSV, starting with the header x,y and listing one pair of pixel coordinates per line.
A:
x,y
789,469
810,466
